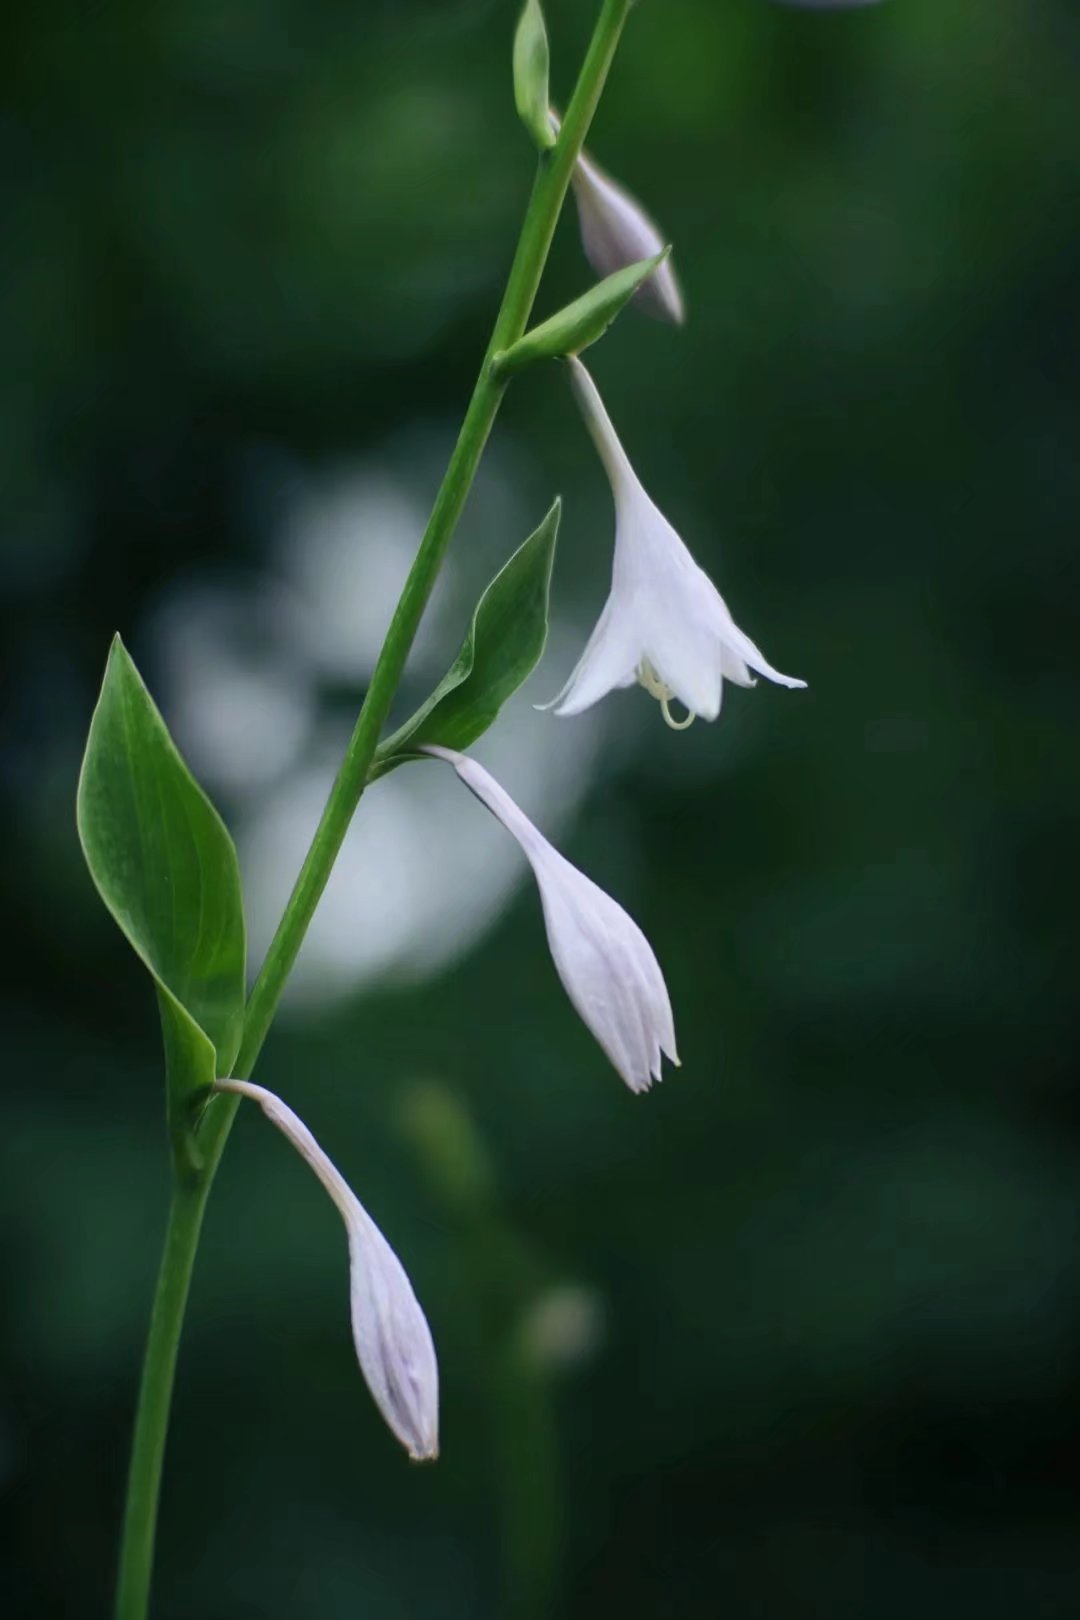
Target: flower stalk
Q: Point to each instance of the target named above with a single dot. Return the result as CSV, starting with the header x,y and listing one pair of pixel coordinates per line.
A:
x,y
191,1188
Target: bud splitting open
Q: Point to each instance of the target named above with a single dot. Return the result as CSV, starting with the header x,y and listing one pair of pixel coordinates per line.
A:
x,y
606,964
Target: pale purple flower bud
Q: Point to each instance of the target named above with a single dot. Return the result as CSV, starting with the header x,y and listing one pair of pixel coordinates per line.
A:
x,y
616,232
664,625
392,1338
606,964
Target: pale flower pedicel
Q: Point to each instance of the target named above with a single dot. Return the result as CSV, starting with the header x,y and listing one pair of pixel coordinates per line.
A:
x,y
606,964
664,625
392,1338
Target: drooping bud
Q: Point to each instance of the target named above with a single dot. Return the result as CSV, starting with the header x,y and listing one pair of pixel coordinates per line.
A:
x,y
607,966
532,63
392,1338
616,232
580,323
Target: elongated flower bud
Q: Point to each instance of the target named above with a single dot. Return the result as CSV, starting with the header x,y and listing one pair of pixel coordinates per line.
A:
x,y
606,964
616,231
392,1338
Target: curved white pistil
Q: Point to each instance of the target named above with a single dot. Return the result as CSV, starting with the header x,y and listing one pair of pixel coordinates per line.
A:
x,y
650,680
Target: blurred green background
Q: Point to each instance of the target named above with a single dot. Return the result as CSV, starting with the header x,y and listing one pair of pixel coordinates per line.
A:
x,y
798,1334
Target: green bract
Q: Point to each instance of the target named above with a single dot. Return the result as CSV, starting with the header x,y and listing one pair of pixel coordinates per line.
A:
x,y
166,868
580,323
503,646
531,66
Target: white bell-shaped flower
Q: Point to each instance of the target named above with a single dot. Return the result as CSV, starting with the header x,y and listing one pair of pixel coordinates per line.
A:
x,y
664,625
392,1338
606,964
616,232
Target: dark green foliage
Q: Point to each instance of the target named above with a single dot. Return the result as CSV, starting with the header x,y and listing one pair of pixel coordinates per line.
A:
x,y
505,641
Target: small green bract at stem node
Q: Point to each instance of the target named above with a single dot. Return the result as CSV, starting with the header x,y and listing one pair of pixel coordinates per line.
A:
x,y
532,62
581,323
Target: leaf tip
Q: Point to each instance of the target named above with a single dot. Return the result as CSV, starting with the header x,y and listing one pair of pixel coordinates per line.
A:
x,y
119,659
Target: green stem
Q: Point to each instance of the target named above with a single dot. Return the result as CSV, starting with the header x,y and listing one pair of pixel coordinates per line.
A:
x,y
542,216
545,206
155,1397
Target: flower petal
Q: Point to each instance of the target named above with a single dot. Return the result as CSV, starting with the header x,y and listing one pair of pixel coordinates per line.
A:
x,y
608,970
609,661
735,668
687,659
738,644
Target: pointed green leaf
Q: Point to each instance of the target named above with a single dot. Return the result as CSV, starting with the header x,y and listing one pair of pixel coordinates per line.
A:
x,y
581,322
503,647
532,65
166,868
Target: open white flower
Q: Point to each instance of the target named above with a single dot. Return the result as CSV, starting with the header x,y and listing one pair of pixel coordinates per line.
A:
x,y
392,1338
616,232
606,964
664,624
